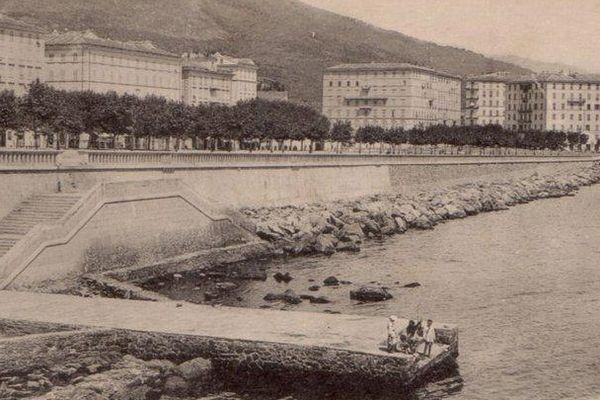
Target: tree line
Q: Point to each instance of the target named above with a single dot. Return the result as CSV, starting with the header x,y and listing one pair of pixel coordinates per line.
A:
x,y
62,116
476,135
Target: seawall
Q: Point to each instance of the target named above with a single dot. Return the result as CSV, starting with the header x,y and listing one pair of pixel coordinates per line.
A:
x,y
243,180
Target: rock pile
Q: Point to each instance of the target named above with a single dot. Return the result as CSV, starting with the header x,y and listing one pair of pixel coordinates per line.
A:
x,y
344,225
132,378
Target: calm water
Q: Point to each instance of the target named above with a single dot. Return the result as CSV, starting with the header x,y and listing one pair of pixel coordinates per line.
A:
x,y
523,285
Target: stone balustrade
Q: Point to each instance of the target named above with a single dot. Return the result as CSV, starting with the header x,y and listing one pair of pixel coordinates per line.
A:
x,y
28,157
51,159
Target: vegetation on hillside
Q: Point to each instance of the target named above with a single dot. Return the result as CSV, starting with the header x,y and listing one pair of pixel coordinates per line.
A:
x,y
290,41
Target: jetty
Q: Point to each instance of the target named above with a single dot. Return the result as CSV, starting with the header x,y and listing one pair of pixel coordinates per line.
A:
x,y
265,342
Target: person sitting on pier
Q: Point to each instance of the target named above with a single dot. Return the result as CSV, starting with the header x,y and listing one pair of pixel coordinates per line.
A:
x,y
429,336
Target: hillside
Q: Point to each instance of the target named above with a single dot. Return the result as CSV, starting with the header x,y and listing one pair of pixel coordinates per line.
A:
x,y
540,66
277,34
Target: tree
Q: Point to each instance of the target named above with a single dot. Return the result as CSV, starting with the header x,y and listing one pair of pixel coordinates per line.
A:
x,y
9,111
341,133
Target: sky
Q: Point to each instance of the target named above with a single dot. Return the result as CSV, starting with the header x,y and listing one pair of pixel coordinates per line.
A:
x,y
563,31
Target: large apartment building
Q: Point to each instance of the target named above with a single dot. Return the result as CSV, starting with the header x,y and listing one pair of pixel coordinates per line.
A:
x,y
244,79
218,79
484,98
21,55
84,61
553,101
391,95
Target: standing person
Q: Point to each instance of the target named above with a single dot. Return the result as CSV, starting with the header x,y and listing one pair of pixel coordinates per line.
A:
x,y
429,336
392,333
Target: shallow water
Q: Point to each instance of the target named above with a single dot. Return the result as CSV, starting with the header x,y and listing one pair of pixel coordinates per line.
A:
x,y
523,286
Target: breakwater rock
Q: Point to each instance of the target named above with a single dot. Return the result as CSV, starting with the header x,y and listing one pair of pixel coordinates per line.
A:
x,y
343,225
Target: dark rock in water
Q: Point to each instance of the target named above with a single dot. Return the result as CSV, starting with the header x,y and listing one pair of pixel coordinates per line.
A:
x,y
279,277
331,281
255,274
311,280
412,285
208,296
370,294
307,297
331,312
289,297
320,300
314,288
226,286
346,282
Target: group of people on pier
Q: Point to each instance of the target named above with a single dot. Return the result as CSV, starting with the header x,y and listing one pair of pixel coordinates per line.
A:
x,y
407,339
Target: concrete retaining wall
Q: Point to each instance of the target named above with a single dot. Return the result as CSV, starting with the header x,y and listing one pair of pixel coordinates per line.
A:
x,y
270,185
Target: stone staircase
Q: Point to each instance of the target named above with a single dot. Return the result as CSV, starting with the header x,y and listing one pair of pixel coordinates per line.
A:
x,y
37,209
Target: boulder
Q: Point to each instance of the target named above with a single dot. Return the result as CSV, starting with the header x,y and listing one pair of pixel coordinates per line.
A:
x,y
350,231
263,232
348,246
455,212
176,386
370,227
401,225
412,285
326,244
279,277
407,212
314,288
226,286
422,222
196,370
289,297
370,294
331,281
320,300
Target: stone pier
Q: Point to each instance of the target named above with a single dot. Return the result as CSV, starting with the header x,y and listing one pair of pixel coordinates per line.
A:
x,y
238,340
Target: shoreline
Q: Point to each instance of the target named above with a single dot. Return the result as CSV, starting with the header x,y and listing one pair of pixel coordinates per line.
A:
x,y
330,227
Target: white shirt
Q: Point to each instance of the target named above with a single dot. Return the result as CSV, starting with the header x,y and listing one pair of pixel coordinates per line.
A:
x,y
429,334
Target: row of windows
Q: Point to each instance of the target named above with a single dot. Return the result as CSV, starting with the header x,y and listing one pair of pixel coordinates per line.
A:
x,y
556,86
18,36
113,60
120,78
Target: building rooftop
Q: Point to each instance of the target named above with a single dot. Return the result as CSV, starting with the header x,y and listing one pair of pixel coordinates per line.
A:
x,y
558,78
90,38
11,23
377,66
493,77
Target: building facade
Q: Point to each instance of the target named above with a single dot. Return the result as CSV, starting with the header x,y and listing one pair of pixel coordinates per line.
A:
x,y
569,103
484,99
83,61
21,55
244,80
391,95
217,79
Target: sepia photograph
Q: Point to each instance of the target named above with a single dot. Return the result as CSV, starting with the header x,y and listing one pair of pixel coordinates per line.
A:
x,y
299,199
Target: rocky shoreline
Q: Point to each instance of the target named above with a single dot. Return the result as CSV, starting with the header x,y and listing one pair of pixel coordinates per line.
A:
x,y
344,225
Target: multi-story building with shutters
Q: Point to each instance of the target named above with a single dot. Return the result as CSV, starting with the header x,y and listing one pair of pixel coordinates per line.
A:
x,y
21,55
551,101
391,95
84,61
484,99
218,79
